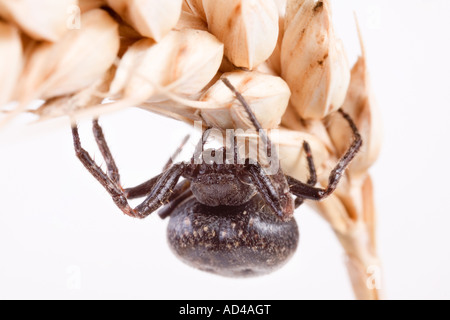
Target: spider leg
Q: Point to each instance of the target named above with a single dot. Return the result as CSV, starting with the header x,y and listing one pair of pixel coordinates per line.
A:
x,y
265,187
176,153
145,188
112,170
251,116
275,188
160,192
113,189
198,153
306,191
174,203
312,172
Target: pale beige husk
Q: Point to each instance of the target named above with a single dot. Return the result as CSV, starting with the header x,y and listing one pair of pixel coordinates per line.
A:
x,y
151,18
267,96
196,7
283,56
183,63
11,61
71,103
217,106
249,29
86,5
350,210
313,61
356,230
360,104
76,61
42,20
189,20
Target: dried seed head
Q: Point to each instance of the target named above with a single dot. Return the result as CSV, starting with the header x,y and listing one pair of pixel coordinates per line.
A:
x,y
291,120
267,96
249,29
152,18
86,5
189,20
11,61
313,61
361,106
274,60
70,104
281,5
75,62
196,7
184,62
42,20
293,157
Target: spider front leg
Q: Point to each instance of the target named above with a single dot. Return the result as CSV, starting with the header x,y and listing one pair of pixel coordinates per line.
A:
x,y
113,171
312,172
145,188
306,191
160,191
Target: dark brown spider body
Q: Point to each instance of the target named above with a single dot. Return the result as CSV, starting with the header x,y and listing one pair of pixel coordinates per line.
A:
x,y
219,184
233,241
227,217
221,190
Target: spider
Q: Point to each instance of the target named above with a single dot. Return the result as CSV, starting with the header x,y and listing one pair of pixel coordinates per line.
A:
x,y
229,219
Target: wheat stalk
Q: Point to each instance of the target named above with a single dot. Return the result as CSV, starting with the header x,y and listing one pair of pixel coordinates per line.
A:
x,y
167,57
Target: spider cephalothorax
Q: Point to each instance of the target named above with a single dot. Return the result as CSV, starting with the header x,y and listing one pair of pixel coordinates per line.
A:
x,y
230,218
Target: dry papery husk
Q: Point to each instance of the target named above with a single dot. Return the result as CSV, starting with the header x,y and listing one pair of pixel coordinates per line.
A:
x,y
189,20
79,59
267,96
360,104
151,18
350,210
75,62
86,5
217,107
11,61
68,105
293,157
248,29
352,216
274,61
41,20
196,8
291,120
183,63
313,61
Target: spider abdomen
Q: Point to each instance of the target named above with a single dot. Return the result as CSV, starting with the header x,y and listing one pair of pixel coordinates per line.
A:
x,y
234,241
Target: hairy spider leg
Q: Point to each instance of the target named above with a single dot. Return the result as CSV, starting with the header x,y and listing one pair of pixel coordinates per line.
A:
x,y
312,172
178,194
160,192
274,188
112,170
177,152
306,191
251,116
182,191
145,188
198,153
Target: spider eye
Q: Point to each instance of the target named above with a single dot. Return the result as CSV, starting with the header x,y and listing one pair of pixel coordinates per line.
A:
x,y
239,241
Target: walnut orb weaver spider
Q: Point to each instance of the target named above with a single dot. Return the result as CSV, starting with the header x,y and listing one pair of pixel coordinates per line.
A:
x,y
230,218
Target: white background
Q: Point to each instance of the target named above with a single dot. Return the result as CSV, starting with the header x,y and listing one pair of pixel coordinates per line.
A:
x,y
58,226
